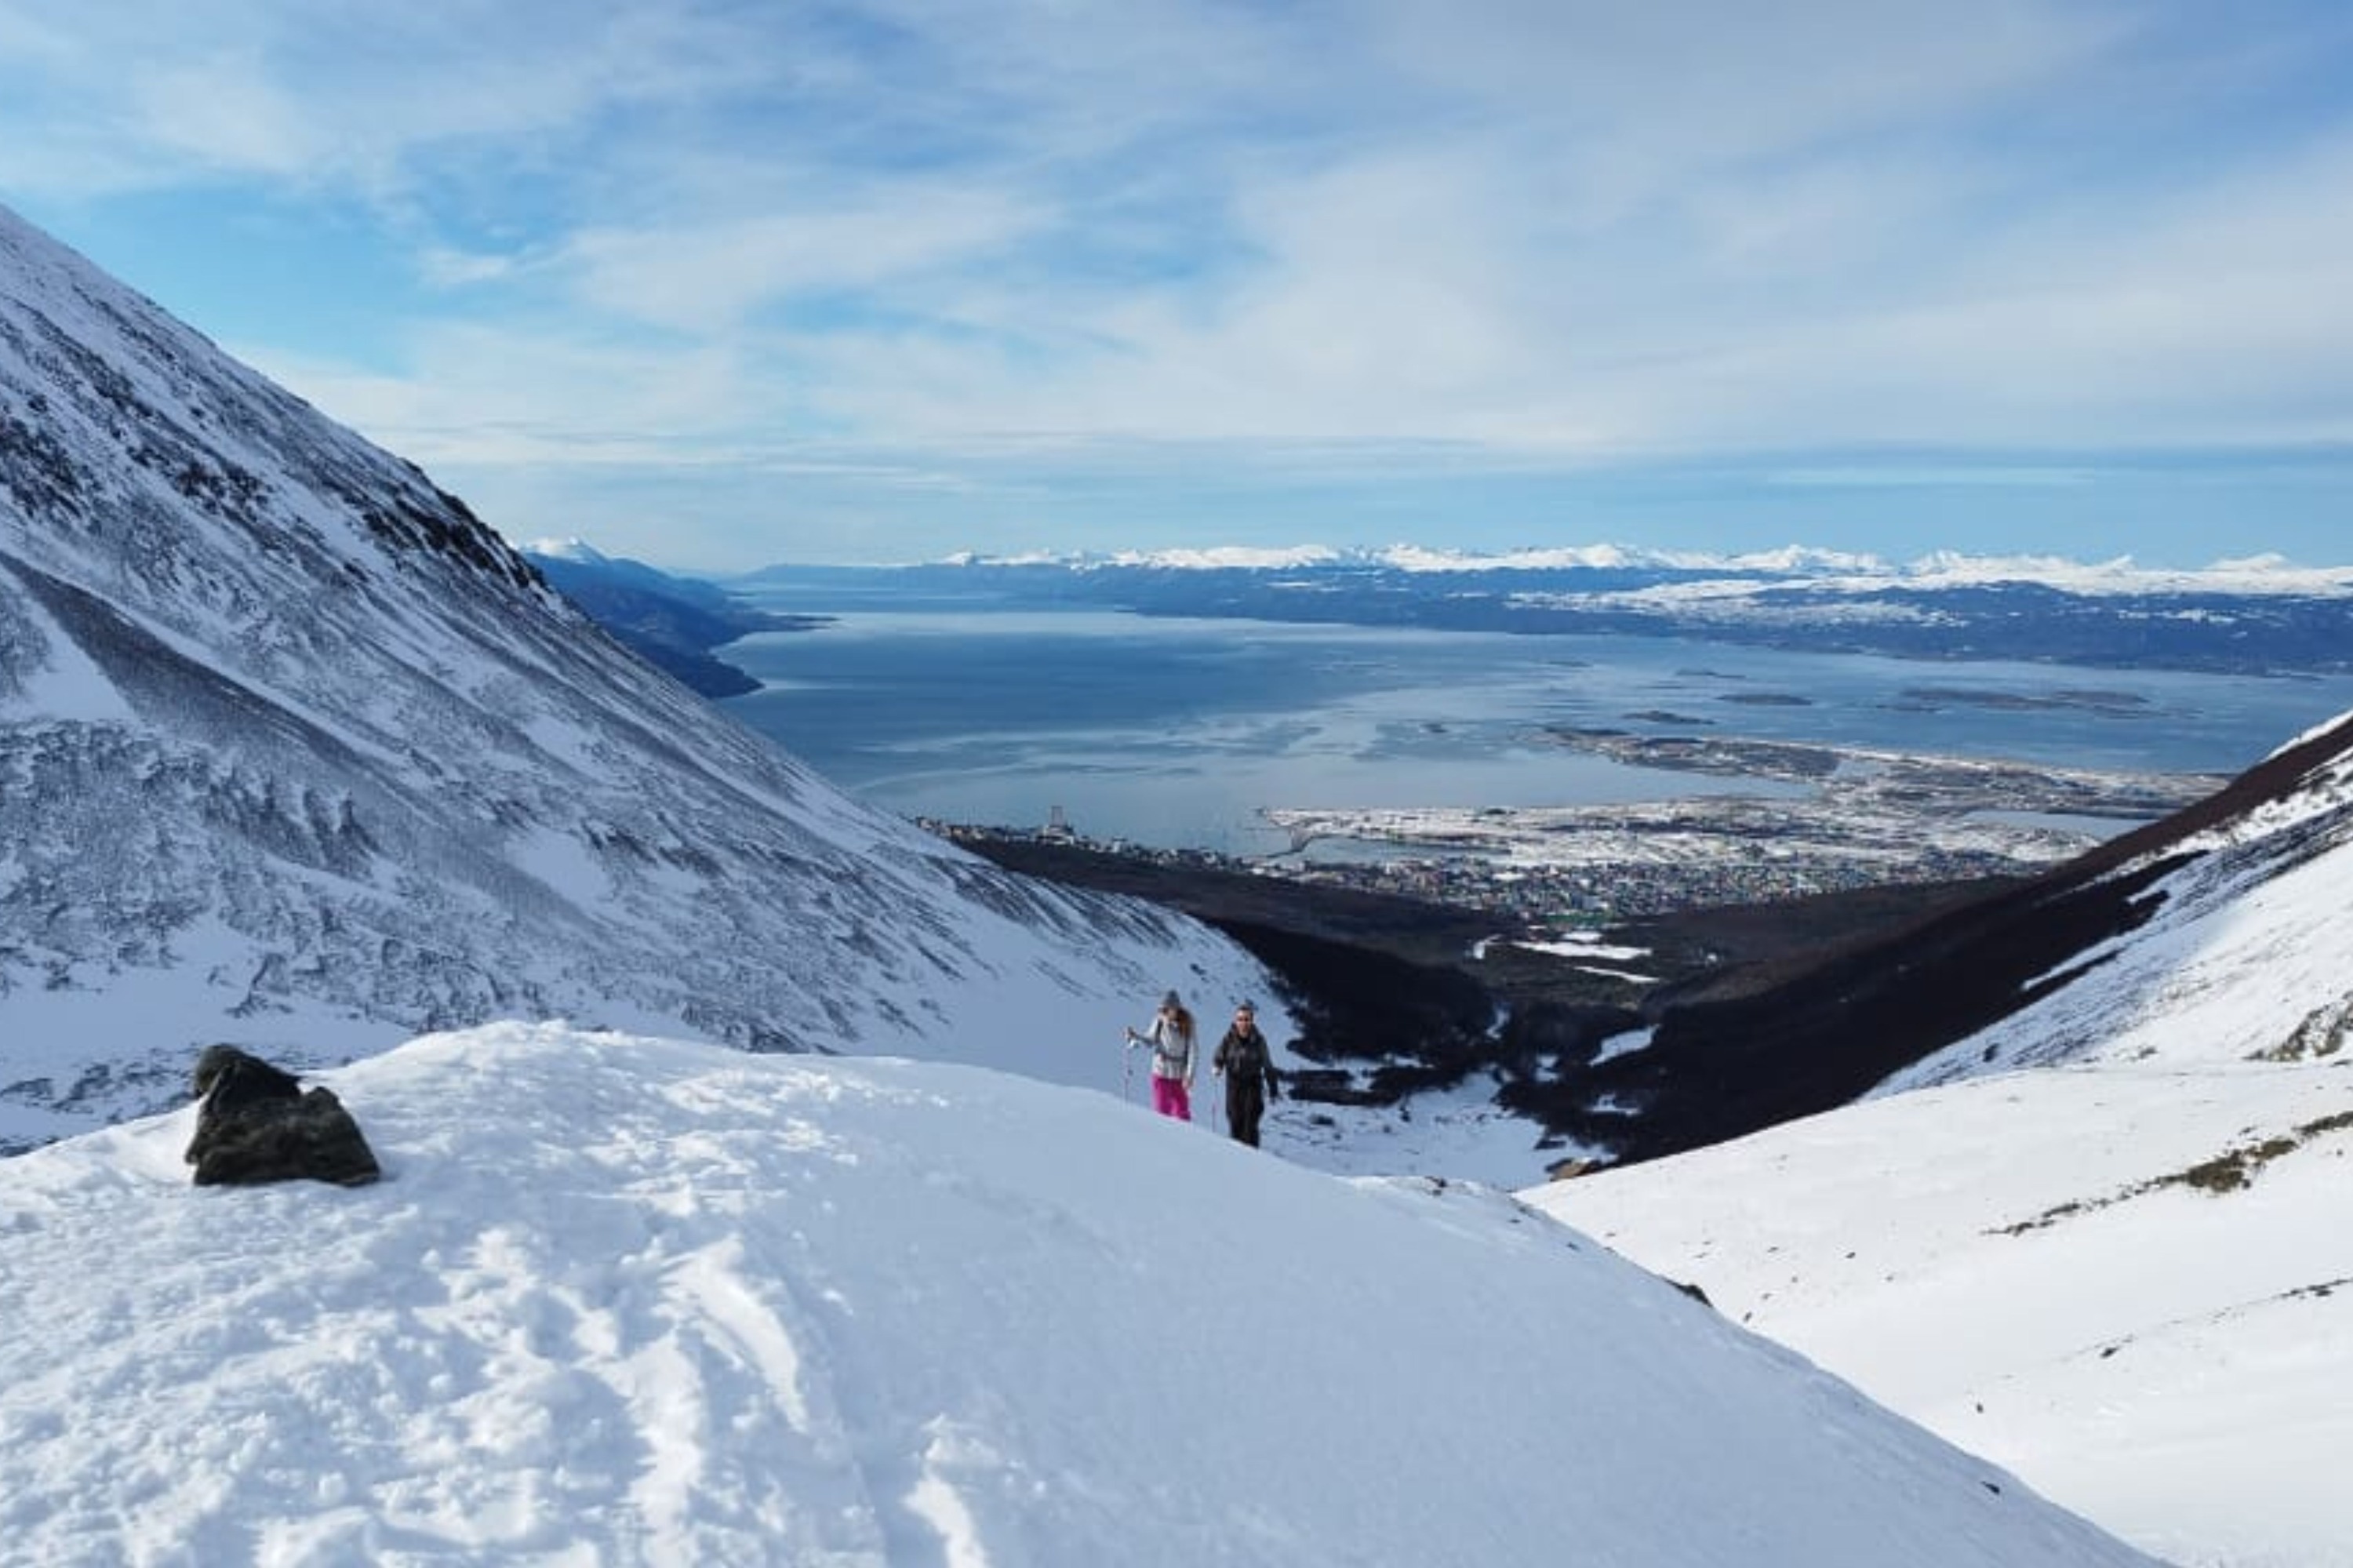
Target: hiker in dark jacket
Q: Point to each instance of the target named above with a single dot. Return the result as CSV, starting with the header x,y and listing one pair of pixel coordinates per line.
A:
x,y
1244,1061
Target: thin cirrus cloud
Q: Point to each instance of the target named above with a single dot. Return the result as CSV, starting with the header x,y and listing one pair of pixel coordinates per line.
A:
x,y
717,276
1898,476
993,247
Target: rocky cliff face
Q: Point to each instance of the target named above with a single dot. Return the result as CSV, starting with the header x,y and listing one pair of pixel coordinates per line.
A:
x,y
296,753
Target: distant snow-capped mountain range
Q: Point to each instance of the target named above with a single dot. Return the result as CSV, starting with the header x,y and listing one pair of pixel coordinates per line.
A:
x,y
296,753
2251,616
2259,615
1854,571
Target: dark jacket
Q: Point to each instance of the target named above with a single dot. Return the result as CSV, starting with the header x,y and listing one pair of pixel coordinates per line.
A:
x,y
1243,1057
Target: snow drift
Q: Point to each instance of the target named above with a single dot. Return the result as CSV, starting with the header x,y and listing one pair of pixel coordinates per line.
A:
x,y
624,1301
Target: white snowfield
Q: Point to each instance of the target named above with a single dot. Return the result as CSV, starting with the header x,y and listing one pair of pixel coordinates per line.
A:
x,y
621,1300
2125,1271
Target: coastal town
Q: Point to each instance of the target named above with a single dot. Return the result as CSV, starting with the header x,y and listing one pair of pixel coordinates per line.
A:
x,y
1863,819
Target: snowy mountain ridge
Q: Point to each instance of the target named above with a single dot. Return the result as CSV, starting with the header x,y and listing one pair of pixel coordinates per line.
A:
x,y
295,753
2101,1238
2231,920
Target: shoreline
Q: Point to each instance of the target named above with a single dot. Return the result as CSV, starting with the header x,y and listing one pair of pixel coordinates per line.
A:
x,y
1865,818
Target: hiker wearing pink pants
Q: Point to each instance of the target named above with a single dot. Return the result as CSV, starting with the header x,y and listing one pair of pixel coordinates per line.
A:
x,y
1171,1097
1171,1039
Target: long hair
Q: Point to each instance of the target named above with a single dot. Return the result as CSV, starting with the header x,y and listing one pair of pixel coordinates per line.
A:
x,y
1184,1019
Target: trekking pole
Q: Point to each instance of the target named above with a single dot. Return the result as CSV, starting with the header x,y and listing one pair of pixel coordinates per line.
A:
x,y
1127,1071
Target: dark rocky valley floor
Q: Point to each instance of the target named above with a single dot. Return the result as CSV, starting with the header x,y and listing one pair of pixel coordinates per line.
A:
x,y
1393,995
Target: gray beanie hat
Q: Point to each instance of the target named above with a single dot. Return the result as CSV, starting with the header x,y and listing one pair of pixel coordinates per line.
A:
x,y
1170,1001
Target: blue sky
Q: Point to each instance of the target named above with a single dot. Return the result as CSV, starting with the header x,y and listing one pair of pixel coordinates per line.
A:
x,y
719,284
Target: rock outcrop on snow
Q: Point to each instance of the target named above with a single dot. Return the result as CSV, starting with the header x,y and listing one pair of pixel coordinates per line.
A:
x,y
255,1123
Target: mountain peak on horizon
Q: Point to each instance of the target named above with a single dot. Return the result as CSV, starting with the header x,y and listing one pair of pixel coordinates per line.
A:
x,y
570,549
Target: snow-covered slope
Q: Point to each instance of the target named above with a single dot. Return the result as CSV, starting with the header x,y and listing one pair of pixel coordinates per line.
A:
x,y
629,1301
2104,1241
295,753
2034,972
2245,946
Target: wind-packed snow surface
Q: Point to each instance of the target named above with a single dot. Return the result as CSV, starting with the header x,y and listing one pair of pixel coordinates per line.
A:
x,y
2125,1270
296,754
620,1300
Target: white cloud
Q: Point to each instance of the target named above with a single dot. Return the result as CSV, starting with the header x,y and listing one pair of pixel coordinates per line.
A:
x,y
709,278
479,394
325,94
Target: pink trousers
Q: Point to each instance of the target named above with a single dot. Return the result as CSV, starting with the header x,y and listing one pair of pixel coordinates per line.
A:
x,y
1170,1097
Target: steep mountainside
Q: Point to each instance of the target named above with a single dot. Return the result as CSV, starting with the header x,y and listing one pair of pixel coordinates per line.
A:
x,y
2100,1236
2000,981
294,752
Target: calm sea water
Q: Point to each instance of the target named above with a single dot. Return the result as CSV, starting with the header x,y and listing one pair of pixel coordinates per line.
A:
x,y
1178,732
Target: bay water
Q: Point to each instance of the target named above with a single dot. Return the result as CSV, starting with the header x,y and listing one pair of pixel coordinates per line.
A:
x,y
1176,733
